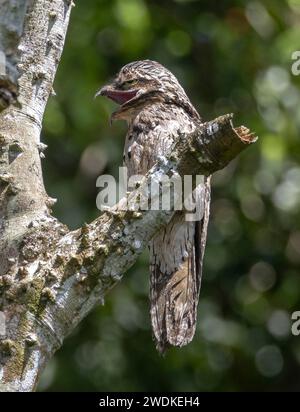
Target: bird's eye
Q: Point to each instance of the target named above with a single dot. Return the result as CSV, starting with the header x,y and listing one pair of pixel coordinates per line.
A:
x,y
128,83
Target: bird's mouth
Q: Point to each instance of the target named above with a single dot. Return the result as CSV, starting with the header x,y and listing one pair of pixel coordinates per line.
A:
x,y
119,96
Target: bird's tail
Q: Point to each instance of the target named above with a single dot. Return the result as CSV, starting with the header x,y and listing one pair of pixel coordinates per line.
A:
x,y
176,256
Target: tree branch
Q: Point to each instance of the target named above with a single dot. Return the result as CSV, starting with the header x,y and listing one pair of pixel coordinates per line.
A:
x,y
50,277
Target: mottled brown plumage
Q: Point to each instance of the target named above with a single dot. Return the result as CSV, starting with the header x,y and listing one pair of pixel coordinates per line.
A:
x,y
157,110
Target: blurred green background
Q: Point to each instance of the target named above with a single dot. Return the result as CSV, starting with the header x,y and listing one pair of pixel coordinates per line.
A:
x,y
230,56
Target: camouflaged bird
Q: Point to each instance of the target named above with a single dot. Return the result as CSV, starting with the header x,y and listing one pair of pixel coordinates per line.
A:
x,y
157,111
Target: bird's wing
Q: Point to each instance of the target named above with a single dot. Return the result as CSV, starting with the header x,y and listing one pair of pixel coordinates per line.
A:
x,y
176,259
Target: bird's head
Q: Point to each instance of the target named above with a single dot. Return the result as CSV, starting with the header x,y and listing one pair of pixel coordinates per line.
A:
x,y
142,83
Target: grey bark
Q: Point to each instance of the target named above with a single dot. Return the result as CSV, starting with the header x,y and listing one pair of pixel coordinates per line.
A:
x,y
50,277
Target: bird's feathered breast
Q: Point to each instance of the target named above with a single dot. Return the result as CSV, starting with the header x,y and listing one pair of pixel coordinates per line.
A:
x,y
152,133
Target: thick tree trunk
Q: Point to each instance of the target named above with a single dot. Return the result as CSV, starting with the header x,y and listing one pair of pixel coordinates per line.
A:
x,y
50,277
32,35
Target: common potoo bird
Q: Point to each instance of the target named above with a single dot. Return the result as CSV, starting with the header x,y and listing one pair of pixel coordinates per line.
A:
x,y
158,111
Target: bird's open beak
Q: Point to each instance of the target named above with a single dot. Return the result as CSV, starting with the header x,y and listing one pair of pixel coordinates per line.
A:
x,y
118,96
101,92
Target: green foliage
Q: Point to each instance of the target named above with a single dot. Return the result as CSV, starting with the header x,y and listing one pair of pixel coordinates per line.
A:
x,y
231,56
